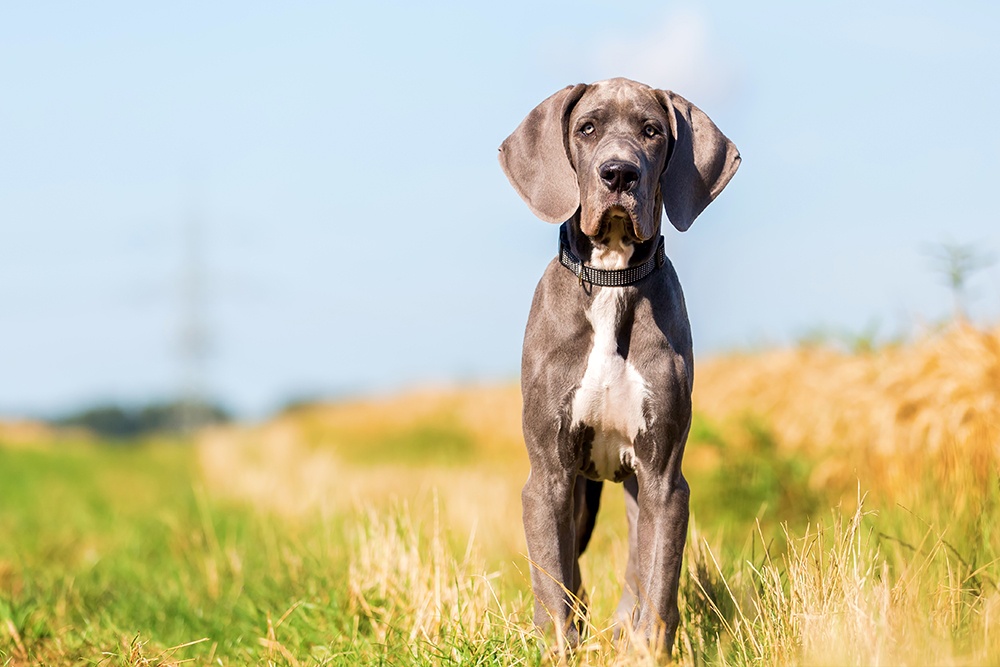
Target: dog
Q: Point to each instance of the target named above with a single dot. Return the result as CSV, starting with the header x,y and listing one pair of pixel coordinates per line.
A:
x,y
607,367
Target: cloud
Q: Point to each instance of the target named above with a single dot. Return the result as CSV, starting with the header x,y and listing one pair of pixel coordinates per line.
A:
x,y
676,53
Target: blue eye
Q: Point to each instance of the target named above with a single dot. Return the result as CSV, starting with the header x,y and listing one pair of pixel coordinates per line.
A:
x,y
587,128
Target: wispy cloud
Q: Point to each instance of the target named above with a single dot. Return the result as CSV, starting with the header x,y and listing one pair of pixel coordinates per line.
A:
x,y
674,52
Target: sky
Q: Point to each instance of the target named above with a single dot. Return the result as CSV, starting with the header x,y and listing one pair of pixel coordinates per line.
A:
x,y
337,164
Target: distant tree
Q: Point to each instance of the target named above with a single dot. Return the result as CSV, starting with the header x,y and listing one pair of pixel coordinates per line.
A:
x,y
111,421
117,422
956,262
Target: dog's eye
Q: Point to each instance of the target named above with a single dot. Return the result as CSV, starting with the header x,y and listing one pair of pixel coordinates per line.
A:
x,y
650,131
587,128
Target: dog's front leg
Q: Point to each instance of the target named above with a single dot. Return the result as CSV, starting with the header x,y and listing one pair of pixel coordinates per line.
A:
x,y
662,531
550,530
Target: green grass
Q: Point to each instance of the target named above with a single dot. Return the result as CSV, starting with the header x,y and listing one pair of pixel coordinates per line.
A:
x,y
108,544
120,555
116,554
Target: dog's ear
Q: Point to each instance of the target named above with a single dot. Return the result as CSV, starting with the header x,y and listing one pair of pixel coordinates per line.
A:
x,y
536,158
702,160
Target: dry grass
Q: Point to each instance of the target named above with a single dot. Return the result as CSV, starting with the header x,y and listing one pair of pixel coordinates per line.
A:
x,y
907,577
831,600
23,433
490,415
834,598
893,414
309,460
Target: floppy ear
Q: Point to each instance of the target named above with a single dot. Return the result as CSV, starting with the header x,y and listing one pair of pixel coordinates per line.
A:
x,y
702,160
536,158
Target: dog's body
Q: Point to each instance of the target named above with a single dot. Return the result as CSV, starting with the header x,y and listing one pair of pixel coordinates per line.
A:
x,y
607,371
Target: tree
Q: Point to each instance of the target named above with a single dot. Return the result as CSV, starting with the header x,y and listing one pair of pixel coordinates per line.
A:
x,y
121,423
956,262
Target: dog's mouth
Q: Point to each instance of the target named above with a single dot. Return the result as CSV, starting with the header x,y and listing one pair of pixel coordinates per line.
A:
x,y
617,224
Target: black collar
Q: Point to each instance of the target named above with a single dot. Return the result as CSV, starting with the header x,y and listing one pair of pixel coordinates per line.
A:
x,y
610,277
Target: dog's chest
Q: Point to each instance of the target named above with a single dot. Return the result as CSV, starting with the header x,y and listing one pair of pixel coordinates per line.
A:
x,y
611,395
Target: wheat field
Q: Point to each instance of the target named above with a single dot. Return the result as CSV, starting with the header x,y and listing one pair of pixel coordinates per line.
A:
x,y
844,512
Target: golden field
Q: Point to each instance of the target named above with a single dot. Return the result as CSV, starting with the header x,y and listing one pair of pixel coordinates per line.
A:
x,y
844,512
892,560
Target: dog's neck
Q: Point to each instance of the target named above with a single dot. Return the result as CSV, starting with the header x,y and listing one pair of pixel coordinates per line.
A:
x,y
613,251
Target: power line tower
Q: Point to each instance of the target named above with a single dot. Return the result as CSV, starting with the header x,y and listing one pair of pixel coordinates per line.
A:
x,y
193,338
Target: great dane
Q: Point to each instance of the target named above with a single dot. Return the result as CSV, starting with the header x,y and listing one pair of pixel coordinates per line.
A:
x,y
607,367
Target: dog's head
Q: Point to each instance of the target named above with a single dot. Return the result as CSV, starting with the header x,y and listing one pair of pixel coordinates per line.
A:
x,y
612,152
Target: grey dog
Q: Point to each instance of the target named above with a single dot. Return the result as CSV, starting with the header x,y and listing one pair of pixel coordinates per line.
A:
x,y
607,367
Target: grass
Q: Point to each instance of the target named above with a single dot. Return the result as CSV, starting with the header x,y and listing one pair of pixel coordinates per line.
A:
x,y
844,512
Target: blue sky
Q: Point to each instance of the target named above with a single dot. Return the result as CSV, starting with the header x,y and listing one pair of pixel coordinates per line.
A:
x,y
357,232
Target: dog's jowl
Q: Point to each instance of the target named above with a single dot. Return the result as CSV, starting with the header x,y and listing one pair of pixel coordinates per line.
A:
x,y
607,367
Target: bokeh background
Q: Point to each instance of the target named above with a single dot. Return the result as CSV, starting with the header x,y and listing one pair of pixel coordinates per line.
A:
x,y
291,214
265,202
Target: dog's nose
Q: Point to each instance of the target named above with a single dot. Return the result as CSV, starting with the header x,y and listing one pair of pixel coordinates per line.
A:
x,y
619,176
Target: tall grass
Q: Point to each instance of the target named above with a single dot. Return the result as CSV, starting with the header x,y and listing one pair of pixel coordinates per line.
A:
x,y
909,576
887,416
844,512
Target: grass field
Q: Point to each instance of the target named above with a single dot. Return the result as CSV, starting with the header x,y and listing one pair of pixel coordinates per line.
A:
x,y
845,511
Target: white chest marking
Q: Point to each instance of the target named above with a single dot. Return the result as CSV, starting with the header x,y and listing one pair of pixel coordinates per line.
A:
x,y
612,393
